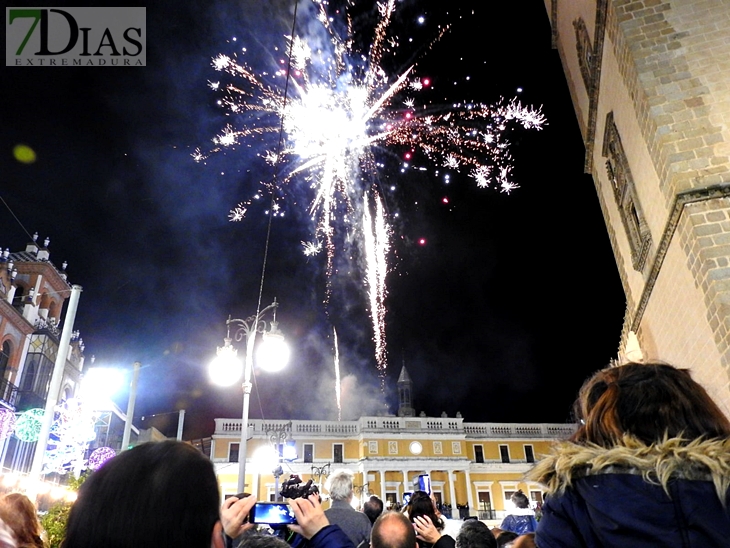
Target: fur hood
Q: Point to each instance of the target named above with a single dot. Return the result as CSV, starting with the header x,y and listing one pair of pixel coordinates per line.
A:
x,y
673,458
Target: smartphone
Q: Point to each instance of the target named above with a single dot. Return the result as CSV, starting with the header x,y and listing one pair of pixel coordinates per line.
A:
x,y
272,513
424,483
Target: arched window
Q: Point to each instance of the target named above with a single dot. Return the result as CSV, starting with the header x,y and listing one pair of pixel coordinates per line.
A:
x,y
29,376
20,294
4,358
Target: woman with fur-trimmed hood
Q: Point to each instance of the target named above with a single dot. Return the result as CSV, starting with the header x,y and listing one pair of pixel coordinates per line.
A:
x,y
649,465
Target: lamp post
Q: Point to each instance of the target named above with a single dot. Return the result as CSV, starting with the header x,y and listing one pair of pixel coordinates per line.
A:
x,y
227,360
98,386
130,407
278,437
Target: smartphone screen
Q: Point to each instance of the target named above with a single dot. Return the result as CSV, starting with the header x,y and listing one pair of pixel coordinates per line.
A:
x,y
424,483
272,513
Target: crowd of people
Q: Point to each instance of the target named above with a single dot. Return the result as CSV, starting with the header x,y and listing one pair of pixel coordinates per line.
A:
x,y
648,466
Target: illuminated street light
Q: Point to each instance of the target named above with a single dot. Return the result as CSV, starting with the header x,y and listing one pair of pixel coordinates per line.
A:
x,y
100,383
227,366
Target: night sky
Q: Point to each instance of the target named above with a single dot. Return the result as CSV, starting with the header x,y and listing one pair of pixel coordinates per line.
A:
x,y
509,305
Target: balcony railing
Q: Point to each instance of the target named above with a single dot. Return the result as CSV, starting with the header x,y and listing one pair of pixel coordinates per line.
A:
x,y
8,393
425,425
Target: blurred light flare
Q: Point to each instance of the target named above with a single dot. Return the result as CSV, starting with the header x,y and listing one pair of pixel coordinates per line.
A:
x,y
340,109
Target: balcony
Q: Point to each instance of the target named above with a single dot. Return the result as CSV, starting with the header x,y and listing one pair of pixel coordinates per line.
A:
x,y
8,394
410,425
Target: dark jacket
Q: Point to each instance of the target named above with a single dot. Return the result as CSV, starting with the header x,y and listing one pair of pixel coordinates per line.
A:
x,y
665,495
444,542
356,525
327,537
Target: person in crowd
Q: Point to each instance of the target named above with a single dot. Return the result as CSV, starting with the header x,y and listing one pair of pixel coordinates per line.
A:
x,y
524,541
313,525
451,526
393,529
475,534
421,506
356,525
19,513
166,494
521,519
312,529
504,538
7,538
373,508
156,494
648,466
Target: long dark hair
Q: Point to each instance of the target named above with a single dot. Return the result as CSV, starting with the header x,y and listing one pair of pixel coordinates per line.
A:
x,y
648,401
156,494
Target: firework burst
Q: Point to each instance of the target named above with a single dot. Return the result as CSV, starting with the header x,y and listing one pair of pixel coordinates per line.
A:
x,y
336,108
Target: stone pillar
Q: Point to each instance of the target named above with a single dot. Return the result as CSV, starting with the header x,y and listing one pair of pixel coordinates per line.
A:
x,y
469,492
452,494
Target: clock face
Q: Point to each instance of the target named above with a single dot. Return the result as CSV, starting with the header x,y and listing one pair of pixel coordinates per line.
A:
x,y
415,447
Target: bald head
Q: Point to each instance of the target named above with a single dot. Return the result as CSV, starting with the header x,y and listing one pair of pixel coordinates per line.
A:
x,y
393,530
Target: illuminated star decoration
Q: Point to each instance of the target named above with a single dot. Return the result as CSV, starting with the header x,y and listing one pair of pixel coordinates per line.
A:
x,y
341,107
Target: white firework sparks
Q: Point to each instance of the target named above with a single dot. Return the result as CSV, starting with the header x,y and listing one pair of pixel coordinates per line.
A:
x,y
340,106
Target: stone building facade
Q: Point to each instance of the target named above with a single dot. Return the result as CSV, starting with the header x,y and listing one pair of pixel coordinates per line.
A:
x,y
650,83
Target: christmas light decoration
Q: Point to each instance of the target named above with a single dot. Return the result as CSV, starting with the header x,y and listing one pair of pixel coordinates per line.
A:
x,y
28,425
7,423
99,456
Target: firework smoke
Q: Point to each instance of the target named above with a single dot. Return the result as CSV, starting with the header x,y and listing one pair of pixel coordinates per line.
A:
x,y
338,386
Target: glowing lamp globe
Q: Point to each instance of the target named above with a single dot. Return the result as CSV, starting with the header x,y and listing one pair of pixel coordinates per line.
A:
x,y
99,456
28,425
100,383
273,352
226,368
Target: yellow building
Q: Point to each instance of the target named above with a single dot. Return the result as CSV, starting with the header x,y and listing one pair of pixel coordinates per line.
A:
x,y
474,464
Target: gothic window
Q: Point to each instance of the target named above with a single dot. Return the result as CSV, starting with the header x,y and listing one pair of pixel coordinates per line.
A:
x,y
4,358
585,51
19,297
632,217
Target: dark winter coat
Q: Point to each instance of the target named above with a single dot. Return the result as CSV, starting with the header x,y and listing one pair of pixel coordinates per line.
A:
x,y
670,494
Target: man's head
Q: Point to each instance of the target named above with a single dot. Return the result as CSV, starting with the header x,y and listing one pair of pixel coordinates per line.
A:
x,y
339,485
156,494
373,508
474,534
393,530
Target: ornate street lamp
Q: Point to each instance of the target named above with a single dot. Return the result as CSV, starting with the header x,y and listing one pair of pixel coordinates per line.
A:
x,y
226,367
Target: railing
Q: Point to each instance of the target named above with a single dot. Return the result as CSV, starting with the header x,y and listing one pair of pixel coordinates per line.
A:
x,y
414,425
29,400
8,393
497,430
